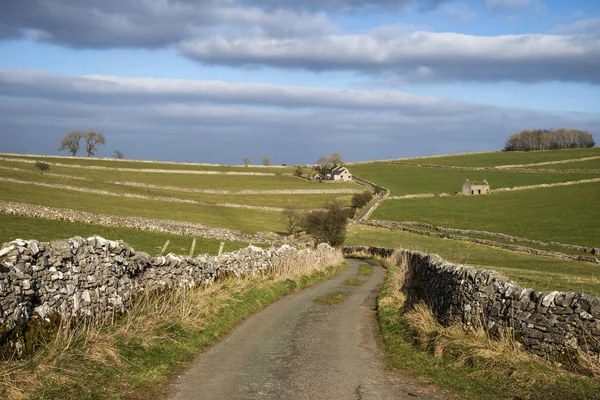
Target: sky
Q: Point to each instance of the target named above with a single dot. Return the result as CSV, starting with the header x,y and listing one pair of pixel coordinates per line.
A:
x,y
217,80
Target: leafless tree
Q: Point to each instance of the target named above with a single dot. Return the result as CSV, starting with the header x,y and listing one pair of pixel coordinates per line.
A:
x,y
71,141
92,141
335,159
118,154
292,220
266,160
247,160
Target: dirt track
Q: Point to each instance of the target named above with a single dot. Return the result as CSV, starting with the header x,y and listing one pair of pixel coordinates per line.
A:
x,y
299,349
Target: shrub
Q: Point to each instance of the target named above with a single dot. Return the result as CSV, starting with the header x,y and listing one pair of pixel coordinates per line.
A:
x,y
42,166
328,226
361,199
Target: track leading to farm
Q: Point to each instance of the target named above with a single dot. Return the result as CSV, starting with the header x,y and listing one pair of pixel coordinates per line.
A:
x,y
303,347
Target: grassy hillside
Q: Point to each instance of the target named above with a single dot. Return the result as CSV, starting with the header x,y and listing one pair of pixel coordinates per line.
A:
x,y
402,179
45,230
542,273
124,163
569,214
493,159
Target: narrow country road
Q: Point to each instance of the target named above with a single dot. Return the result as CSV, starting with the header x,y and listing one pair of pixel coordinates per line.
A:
x,y
301,349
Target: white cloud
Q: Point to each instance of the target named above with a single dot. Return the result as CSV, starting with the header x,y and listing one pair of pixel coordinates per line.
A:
x,y
446,56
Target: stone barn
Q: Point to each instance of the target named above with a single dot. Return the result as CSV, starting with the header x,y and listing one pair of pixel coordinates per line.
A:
x,y
474,188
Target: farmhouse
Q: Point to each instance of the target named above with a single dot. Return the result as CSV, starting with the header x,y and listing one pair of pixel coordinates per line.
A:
x,y
475,188
341,174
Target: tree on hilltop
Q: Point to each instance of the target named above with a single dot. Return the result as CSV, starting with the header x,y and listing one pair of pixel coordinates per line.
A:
x,y
266,160
92,141
549,139
247,160
71,141
118,154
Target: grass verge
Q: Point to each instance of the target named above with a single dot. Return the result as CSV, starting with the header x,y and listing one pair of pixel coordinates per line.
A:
x,y
470,364
135,357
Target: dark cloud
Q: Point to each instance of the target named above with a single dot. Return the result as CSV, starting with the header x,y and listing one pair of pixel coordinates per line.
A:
x,y
178,120
417,57
145,23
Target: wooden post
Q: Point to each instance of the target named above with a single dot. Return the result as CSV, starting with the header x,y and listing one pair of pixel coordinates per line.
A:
x,y
221,248
162,251
193,247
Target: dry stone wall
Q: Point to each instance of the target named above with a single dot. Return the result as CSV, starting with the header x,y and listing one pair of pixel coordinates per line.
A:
x,y
513,247
98,278
546,322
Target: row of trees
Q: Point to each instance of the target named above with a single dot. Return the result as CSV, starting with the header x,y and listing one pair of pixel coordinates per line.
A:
x,y
266,160
549,139
71,142
326,163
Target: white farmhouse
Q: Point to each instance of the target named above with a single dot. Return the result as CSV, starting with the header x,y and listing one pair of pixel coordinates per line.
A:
x,y
341,174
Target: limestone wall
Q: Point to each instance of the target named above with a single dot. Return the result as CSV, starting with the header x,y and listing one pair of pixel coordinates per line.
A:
x,y
545,322
98,278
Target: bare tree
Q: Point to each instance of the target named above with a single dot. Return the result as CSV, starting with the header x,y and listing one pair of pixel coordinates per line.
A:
x,y
298,171
322,164
247,160
42,166
92,141
70,142
266,160
118,154
292,220
335,159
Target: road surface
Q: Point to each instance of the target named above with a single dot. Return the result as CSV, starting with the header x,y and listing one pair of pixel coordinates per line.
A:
x,y
301,349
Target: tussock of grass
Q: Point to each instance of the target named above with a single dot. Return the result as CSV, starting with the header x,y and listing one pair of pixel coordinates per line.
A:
x,y
134,357
354,282
365,270
331,299
469,362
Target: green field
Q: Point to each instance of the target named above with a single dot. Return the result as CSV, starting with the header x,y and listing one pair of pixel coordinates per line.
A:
x,y
153,165
214,182
248,221
402,179
300,201
589,164
45,230
568,214
493,159
542,273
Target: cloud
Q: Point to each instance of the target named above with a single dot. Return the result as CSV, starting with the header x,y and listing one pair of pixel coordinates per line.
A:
x,y
503,5
446,56
590,26
221,122
146,23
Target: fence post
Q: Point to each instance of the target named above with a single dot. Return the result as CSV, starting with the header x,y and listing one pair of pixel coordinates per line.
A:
x,y
193,247
221,248
162,251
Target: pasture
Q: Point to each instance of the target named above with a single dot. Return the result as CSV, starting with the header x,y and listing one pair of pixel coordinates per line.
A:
x,y
45,230
493,159
567,214
542,273
403,179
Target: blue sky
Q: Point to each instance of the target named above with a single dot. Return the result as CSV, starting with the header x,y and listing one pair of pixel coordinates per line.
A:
x,y
216,80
